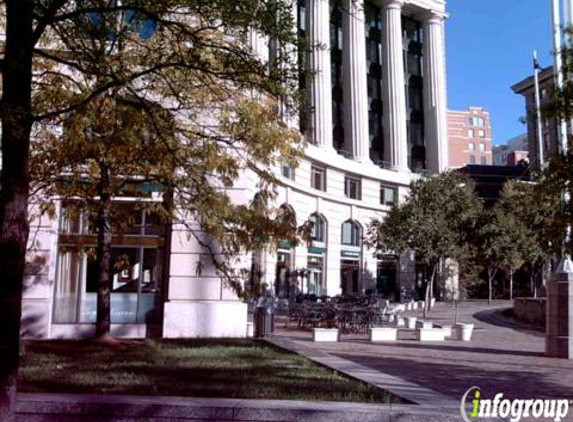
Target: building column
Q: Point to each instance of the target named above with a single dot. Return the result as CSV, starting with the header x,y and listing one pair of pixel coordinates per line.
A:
x,y
289,113
435,101
320,87
394,92
356,131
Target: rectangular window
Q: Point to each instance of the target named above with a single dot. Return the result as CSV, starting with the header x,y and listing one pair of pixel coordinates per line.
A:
x,y
388,195
482,147
318,178
481,133
136,270
472,146
472,159
483,160
352,188
316,281
287,171
471,133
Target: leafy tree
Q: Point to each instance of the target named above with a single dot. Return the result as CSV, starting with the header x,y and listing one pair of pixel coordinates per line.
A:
x,y
535,210
435,222
62,58
109,148
502,241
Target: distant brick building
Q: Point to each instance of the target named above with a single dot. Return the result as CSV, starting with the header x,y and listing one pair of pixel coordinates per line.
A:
x,y
549,126
512,152
469,134
515,157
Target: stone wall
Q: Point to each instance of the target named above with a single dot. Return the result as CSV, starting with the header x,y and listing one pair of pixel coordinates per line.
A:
x,y
530,310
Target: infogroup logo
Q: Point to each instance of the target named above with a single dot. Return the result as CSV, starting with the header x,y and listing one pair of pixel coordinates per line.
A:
x,y
480,407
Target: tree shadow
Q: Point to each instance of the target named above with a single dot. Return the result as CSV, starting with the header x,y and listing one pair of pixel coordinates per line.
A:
x,y
454,379
469,349
496,317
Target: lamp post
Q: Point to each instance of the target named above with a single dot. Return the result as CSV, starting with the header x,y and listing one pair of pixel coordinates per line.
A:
x,y
559,313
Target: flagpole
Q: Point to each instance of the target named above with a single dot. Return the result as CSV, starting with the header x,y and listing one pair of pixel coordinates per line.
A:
x,y
566,265
540,152
558,68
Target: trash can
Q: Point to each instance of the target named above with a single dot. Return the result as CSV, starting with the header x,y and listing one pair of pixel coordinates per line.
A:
x,y
263,320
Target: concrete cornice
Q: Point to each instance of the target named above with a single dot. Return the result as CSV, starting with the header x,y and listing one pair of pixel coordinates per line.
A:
x,y
528,83
416,7
391,4
433,16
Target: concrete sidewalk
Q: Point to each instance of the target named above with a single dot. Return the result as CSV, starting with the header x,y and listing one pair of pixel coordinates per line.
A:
x,y
503,357
101,408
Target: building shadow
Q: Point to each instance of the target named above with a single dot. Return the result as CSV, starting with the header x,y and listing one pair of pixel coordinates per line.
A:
x,y
454,379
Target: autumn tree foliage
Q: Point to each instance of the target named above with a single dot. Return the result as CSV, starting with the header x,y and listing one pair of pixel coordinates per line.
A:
x,y
140,90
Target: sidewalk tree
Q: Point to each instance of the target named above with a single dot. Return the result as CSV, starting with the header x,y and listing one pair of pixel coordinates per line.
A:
x,y
535,210
62,57
502,242
435,222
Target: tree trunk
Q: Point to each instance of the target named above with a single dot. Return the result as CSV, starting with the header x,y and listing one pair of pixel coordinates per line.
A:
x,y
104,239
14,191
490,277
510,284
429,290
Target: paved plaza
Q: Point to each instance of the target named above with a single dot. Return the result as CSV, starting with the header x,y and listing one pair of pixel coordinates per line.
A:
x,y
502,356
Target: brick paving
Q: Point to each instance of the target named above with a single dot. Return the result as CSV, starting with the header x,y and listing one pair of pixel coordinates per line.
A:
x,y
502,356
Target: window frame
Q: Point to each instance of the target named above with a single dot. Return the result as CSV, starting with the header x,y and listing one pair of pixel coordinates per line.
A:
x,y
287,172
319,224
355,234
358,187
383,190
315,171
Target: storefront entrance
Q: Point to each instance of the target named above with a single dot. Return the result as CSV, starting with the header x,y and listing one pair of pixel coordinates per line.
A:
x,y
350,276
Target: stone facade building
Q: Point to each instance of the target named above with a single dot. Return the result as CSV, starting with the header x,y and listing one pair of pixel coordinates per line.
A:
x,y
513,151
549,126
378,120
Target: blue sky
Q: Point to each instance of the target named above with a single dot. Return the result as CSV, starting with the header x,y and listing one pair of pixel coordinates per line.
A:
x,y
489,46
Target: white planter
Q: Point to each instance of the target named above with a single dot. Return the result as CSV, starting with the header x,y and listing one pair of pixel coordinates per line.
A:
x,y
464,331
430,334
424,324
250,331
400,321
432,302
383,334
411,322
325,334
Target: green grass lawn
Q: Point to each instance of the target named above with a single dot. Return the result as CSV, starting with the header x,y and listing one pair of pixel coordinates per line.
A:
x,y
198,368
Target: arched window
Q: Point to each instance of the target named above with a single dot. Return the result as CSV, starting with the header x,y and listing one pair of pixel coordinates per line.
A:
x,y
318,232
287,217
351,233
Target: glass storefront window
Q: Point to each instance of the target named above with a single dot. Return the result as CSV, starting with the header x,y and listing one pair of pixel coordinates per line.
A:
x,y
136,270
318,232
284,289
316,280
